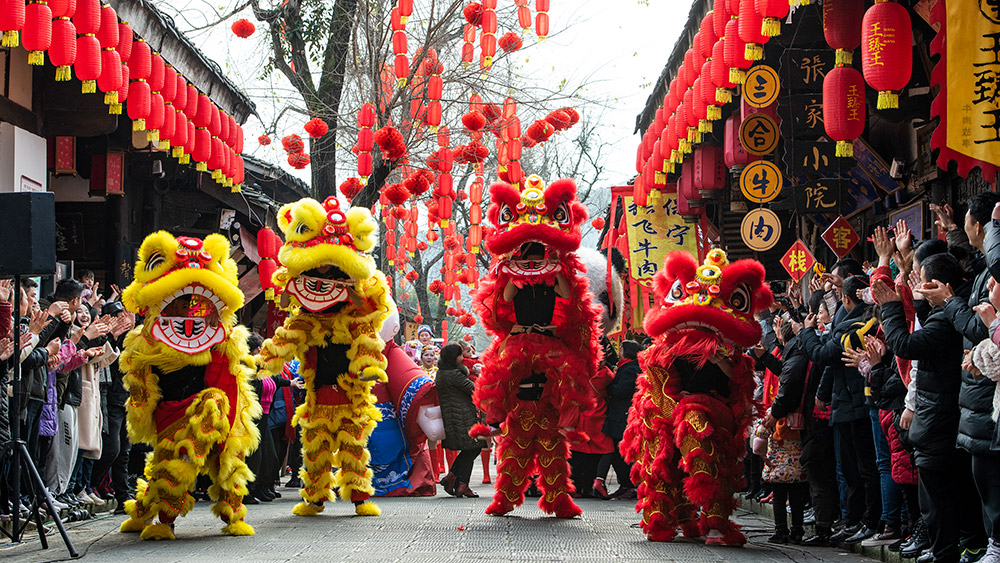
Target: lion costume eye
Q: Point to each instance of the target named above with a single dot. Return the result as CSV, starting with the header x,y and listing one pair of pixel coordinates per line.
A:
x,y
675,293
155,259
302,229
740,299
506,214
562,215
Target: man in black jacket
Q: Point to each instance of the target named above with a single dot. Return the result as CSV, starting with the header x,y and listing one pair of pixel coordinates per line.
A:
x,y
976,429
842,387
948,501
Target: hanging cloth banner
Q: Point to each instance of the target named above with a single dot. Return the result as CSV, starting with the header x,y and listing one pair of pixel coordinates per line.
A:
x,y
969,77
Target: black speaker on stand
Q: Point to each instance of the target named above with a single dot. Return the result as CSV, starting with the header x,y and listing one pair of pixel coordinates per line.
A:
x,y
28,233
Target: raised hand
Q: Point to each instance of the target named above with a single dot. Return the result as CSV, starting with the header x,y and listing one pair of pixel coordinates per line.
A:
x,y
986,313
6,288
884,245
883,293
874,349
945,217
6,349
904,238
37,321
916,286
853,357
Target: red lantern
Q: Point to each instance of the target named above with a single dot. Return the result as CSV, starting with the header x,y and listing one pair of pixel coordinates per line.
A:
x,y
298,161
510,42
62,52
488,37
110,80
36,36
125,38
542,18
773,11
11,21
405,10
720,17
523,15
844,107
243,28
316,127
720,73
840,27
264,140
598,223
736,53
750,24
139,100
468,50
88,62
62,8
887,51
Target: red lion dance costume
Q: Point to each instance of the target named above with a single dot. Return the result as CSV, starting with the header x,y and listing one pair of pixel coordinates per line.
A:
x,y
536,305
695,397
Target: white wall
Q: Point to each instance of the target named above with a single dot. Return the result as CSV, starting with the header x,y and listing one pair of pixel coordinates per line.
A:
x,y
22,160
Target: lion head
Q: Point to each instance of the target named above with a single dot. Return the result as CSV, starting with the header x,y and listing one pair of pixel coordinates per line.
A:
x,y
716,299
535,226
187,289
325,253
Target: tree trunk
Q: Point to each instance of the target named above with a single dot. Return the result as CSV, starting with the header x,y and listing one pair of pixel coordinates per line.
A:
x,y
323,161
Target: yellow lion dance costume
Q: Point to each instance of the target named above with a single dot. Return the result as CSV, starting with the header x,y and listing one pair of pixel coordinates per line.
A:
x,y
186,369
338,302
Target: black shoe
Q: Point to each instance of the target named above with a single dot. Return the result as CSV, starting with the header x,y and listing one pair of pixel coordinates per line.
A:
x,y
819,540
294,483
927,557
795,536
845,532
898,545
780,536
250,499
919,541
263,496
274,493
864,533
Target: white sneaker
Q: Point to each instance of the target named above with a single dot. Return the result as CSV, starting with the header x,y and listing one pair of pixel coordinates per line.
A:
x,y
992,553
83,497
57,504
98,501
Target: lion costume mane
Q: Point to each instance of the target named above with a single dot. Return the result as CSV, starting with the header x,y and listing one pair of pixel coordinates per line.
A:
x,y
338,302
545,350
186,369
694,399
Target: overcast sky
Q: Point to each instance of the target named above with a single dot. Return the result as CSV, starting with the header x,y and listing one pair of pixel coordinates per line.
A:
x,y
614,48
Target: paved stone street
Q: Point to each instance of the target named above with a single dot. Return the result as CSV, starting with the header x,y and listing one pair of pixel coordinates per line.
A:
x,y
411,530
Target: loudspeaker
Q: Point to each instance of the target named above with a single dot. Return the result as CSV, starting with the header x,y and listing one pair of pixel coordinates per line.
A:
x,y
27,234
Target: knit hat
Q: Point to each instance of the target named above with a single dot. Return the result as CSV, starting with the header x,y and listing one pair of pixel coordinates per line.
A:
x,y
423,328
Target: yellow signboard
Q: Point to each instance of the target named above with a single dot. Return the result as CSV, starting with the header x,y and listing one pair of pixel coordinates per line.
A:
x,y
761,181
759,134
761,86
653,232
760,229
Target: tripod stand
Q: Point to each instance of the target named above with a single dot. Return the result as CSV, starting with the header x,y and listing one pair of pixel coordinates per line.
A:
x,y
19,458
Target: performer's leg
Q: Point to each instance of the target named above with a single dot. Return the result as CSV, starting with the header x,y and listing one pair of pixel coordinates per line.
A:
x,y
354,477
554,482
485,457
317,462
516,464
704,444
229,474
164,496
660,496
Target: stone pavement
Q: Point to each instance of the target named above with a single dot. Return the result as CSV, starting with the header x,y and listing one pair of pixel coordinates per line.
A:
x,y
433,529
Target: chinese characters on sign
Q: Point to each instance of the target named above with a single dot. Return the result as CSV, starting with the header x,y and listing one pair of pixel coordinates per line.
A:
x,y
761,181
841,237
803,70
759,134
810,157
653,232
798,261
761,86
818,196
802,116
760,230
973,79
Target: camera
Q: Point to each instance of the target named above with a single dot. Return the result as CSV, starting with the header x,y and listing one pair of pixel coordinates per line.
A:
x,y
778,287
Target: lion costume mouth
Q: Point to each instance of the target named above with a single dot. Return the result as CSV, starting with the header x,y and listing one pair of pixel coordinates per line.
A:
x,y
319,291
189,320
520,267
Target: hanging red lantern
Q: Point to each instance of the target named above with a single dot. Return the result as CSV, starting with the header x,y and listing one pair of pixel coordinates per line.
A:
x,y
62,52
887,51
844,107
750,24
110,80
598,223
264,140
468,37
298,161
36,36
720,17
510,42
840,27
720,73
139,103
125,39
316,127
243,28
736,52
523,15
542,19
351,187
12,16
772,12
708,36
88,62
488,35
122,94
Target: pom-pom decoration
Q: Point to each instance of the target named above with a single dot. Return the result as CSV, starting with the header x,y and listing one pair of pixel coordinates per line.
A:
x,y
316,127
292,144
351,187
243,28
396,193
473,13
298,160
264,140
390,141
510,42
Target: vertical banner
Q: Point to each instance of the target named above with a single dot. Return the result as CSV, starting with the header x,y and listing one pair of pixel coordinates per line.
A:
x,y
969,76
653,232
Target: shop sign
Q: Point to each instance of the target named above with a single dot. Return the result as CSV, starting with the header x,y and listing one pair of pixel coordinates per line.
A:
x,y
761,86
823,195
815,158
761,181
759,134
841,237
798,260
803,70
760,229
802,116
653,232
